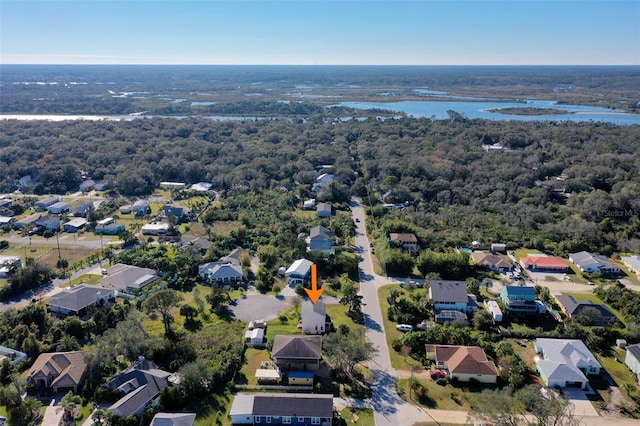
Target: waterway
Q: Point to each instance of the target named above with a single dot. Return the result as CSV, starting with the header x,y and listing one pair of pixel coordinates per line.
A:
x,y
431,109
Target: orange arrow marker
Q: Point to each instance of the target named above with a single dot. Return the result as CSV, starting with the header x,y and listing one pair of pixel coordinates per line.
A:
x,y
315,292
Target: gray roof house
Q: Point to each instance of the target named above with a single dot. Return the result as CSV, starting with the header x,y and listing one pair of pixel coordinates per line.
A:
x,y
82,209
299,271
297,352
140,384
173,419
43,204
588,262
449,295
74,225
87,185
324,210
320,238
572,307
632,358
565,362
141,207
633,263
51,223
76,300
128,279
221,272
300,409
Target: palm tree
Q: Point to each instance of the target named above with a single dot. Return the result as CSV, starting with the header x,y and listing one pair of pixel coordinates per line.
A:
x,y
70,403
31,409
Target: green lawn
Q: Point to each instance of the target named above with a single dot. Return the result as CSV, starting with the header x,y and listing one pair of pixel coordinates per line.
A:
x,y
397,359
357,416
523,252
212,409
619,371
431,395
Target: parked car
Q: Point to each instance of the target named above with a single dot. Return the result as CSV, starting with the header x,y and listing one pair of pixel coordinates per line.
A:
x,y
438,374
404,327
422,326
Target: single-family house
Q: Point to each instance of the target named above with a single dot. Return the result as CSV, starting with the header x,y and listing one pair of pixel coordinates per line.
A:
x,y
491,261
140,386
297,352
544,264
7,220
601,315
27,221
83,209
75,300
74,225
5,203
87,185
110,229
60,371
42,205
126,209
296,409
309,204
314,318
406,240
8,264
322,181
633,263
159,228
464,363
174,186
15,357
299,272
324,210
196,245
519,300
449,295
588,262
141,207
50,223
221,272
178,212
201,187
632,358
128,279
173,419
565,362
235,256
320,238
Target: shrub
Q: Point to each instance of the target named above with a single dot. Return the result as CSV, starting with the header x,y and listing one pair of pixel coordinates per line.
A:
x,y
441,381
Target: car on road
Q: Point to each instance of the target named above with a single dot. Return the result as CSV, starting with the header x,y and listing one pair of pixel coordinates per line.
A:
x,y
357,220
404,327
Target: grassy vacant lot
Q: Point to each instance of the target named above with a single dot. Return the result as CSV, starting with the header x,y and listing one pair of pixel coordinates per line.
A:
x,y
397,359
522,252
212,410
429,394
357,416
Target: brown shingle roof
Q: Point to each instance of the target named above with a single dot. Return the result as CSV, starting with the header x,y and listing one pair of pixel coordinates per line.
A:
x,y
67,367
404,238
464,359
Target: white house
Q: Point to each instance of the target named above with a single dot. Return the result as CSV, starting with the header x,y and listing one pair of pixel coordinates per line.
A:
x,y
633,263
74,225
299,271
588,262
565,362
449,295
177,186
141,207
632,358
155,228
314,318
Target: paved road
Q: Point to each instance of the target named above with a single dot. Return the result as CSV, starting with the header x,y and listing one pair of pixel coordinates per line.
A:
x,y
385,401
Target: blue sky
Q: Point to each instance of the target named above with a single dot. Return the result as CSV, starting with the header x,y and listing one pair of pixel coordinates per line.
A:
x,y
307,32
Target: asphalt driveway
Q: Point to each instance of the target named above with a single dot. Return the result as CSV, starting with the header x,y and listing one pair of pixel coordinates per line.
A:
x,y
259,306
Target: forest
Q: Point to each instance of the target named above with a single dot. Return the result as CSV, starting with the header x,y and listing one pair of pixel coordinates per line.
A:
x,y
557,186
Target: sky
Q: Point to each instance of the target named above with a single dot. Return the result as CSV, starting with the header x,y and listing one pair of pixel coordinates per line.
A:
x,y
322,32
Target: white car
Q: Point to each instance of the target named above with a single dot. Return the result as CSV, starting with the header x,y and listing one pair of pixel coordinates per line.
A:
x,y
404,327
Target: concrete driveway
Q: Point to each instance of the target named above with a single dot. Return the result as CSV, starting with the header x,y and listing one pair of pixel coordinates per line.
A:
x,y
583,407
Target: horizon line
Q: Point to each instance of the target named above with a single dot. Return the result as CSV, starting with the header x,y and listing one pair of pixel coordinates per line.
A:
x,y
322,65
